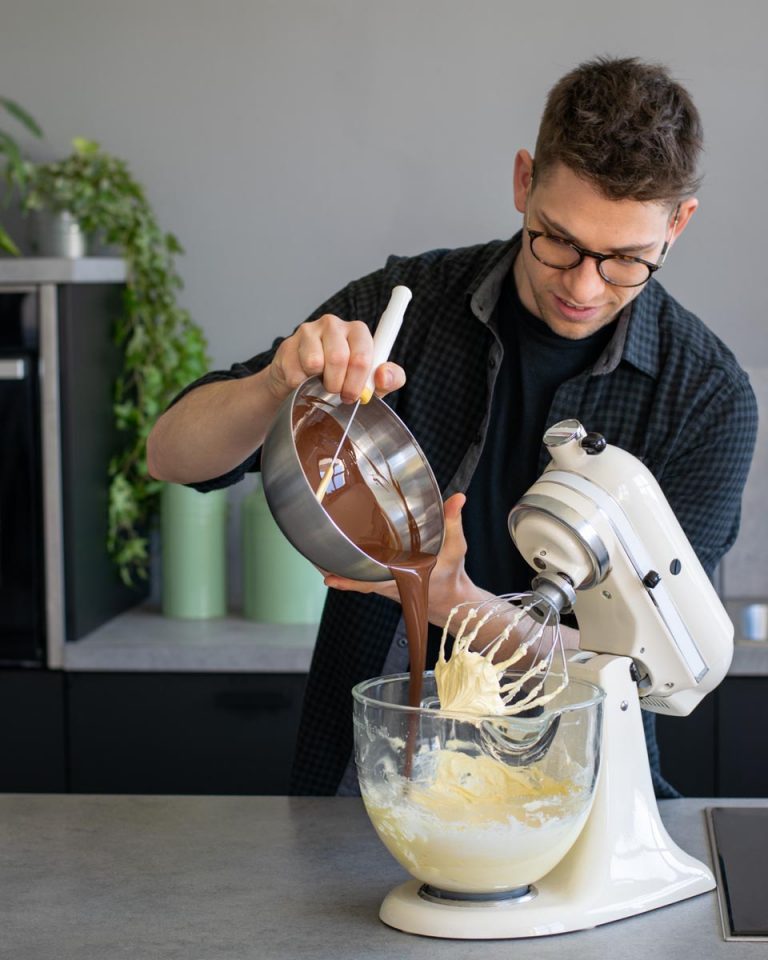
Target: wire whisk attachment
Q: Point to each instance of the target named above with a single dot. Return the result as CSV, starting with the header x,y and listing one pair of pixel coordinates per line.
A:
x,y
472,680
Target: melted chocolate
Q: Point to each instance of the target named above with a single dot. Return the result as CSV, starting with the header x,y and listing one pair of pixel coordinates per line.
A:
x,y
352,504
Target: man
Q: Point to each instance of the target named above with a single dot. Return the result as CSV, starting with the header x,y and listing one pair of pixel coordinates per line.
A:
x,y
500,341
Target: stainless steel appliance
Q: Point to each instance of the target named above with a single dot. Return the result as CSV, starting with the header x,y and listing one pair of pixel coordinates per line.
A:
x,y
57,369
22,591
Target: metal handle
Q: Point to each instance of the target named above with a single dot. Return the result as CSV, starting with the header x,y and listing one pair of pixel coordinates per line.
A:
x,y
14,368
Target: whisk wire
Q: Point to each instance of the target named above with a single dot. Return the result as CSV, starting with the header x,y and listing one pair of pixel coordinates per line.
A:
x,y
540,639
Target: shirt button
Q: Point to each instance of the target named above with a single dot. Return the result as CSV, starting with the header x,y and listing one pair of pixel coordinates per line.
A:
x,y
402,642
492,362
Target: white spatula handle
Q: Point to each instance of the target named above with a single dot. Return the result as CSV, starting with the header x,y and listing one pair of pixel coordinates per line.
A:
x,y
386,334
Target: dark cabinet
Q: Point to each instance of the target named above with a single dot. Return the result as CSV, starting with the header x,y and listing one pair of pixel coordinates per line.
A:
x,y
89,366
183,733
742,744
688,749
148,733
33,723
186,733
720,750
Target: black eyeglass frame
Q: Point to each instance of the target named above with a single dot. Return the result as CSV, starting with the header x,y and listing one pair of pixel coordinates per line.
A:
x,y
601,257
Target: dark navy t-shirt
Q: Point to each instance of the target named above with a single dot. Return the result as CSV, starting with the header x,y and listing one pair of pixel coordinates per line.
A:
x,y
536,361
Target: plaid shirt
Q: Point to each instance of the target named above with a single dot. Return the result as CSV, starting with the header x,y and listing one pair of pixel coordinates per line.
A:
x,y
665,388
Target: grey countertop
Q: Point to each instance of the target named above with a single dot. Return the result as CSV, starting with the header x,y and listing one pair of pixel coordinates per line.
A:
x,y
31,270
143,640
209,878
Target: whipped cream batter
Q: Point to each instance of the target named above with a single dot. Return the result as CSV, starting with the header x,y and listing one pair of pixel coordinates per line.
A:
x,y
477,825
467,821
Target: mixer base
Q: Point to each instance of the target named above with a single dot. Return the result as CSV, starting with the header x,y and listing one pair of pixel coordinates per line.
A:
x,y
552,910
622,864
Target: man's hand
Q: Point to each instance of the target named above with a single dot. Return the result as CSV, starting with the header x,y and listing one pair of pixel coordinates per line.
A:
x,y
449,583
338,351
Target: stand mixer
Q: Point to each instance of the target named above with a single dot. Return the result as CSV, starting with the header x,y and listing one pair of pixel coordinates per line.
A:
x,y
653,635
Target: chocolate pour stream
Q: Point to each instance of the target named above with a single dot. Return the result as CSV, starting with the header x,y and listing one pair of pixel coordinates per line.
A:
x,y
356,511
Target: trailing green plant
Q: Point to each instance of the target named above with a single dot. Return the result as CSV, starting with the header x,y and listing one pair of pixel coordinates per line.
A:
x,y
162,348
17,168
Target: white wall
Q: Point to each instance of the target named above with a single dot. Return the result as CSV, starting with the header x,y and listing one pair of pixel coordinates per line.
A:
x,y
293,144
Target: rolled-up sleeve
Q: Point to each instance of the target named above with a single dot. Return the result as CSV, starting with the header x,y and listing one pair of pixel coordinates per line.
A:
x,y
359,300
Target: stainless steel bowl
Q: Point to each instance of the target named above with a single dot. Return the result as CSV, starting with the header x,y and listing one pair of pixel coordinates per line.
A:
x,y
380,436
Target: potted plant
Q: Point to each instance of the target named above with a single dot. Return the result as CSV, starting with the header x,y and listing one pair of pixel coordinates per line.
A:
x,y
162,348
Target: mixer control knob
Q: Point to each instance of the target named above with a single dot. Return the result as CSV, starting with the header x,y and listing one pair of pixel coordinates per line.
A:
x,y
651,579
594,443
564,432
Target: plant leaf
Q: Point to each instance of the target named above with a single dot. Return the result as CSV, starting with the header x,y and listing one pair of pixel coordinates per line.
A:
x,y
7,243
9,147
22,116
83,147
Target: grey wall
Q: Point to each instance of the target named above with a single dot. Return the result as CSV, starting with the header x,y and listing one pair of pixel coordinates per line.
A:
x,y
292,145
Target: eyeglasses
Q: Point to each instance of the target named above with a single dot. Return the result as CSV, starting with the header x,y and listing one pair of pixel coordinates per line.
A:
x,y
618,270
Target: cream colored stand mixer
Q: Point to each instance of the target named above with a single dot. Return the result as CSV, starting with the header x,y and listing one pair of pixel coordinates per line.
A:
x,y
653,635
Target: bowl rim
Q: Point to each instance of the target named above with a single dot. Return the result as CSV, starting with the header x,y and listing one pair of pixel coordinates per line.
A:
x,y
596,697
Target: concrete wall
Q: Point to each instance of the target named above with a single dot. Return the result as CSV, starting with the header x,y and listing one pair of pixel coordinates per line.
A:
x,y
293,144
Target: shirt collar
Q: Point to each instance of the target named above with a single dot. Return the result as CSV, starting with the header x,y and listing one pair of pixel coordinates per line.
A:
x,y
639,326
485,289
635,340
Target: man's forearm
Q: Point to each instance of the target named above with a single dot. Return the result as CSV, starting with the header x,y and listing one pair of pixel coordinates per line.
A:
x,y
211,430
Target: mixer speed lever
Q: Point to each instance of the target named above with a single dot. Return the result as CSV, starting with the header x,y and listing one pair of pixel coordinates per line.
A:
x,y
651,579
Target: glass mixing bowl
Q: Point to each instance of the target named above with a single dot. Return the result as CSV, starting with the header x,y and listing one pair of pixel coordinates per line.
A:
x,y
480,805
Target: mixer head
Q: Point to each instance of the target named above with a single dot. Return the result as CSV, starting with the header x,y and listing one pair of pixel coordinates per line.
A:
x,y
602,537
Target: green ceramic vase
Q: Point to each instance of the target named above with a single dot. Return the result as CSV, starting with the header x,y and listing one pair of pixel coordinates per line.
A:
x,y
194,552
279,584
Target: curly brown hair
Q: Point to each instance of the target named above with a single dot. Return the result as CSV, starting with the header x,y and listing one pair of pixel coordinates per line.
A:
x,y
627,126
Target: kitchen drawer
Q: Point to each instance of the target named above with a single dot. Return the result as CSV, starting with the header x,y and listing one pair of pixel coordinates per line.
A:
x,y
32,721
742,741
183,733
688,749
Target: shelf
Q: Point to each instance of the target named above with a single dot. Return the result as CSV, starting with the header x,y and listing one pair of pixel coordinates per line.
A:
x,y
23,270
143,640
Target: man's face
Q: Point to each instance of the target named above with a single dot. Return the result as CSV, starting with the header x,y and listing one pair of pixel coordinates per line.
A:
x,y
575,303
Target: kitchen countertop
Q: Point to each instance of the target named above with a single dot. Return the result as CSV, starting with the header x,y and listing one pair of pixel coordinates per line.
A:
x,y
142,640
20,270
209,878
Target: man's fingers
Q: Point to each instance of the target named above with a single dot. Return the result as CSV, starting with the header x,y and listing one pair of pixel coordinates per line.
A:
x,y
360,343
386,588
453,507
335,356
341,352
387,378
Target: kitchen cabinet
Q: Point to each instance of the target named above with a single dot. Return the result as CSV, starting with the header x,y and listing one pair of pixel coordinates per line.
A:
x,y
688,747
720,750
182,733
234,733
33,722
151,733
742,744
